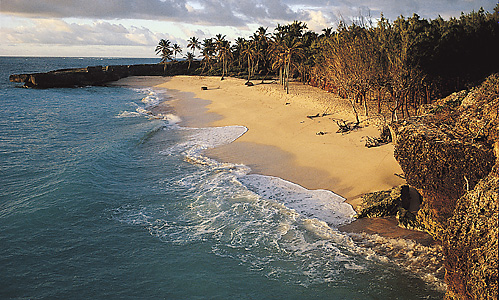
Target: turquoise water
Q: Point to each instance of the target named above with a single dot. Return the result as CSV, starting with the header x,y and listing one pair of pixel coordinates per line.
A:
x,y
100,201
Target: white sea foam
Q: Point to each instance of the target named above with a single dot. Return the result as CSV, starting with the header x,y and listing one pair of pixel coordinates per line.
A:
x,y
128,114
323,205
153,98
272,225
200,139
426,262
170,118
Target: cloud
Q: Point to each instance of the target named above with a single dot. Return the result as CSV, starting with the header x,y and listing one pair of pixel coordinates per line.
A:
x,y
317,21
139,24
54,31
237,13
96,9
212,12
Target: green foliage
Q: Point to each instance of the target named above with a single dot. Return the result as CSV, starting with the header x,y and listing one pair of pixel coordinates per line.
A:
x,y
164,49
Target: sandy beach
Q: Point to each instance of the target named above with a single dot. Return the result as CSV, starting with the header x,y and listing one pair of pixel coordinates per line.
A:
x,y
283,141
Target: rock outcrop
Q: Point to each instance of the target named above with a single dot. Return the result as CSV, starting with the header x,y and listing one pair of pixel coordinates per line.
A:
x,y
450,155
399,202
98,75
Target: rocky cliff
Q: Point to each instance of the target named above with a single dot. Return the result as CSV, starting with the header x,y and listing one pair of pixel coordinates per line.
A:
x,y
99,75
450,154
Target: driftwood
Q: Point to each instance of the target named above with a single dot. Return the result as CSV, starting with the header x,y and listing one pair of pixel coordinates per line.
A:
x,y
318,116
384,138
345,127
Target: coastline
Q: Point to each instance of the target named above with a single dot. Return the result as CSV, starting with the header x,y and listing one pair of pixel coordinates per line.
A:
x,y
282,141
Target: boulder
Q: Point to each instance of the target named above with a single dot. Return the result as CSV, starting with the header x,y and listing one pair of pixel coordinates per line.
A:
x,y
382,203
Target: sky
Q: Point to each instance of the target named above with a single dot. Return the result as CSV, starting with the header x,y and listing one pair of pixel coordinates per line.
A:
x,y
132,28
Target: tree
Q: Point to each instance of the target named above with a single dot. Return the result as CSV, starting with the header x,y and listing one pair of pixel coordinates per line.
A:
x,y
237,49
287,48
208,52
164,49
222,46
176,49
262,40
277,55
327,32
189,57
292,50
249,51
194,44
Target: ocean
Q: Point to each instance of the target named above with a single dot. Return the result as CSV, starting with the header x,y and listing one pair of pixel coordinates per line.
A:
x,y
99,200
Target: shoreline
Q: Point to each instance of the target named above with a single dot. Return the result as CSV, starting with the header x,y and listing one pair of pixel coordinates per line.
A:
x,y
278,125
282,141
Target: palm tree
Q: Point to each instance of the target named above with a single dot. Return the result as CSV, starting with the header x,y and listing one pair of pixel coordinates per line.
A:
x,y
164,49
219,38
190,58
263,49
224,54
222,47
277,57
286,49
219,41
238,48
208,52
249,51
176,50
327,32
194,44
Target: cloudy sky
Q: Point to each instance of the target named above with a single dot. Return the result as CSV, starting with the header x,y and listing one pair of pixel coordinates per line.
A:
x,y
132,28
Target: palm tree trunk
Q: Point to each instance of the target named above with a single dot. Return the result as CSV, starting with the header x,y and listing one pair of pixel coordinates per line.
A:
x,y
287,76
249,68
223,68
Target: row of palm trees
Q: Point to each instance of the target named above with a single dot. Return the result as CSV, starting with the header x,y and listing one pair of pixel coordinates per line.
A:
x,y
263,52
168,52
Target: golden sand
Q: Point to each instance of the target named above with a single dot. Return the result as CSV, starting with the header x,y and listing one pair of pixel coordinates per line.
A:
x,y
281,140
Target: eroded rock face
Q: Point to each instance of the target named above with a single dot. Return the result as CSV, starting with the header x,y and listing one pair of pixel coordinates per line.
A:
x,y
448,155
470,243
441,167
